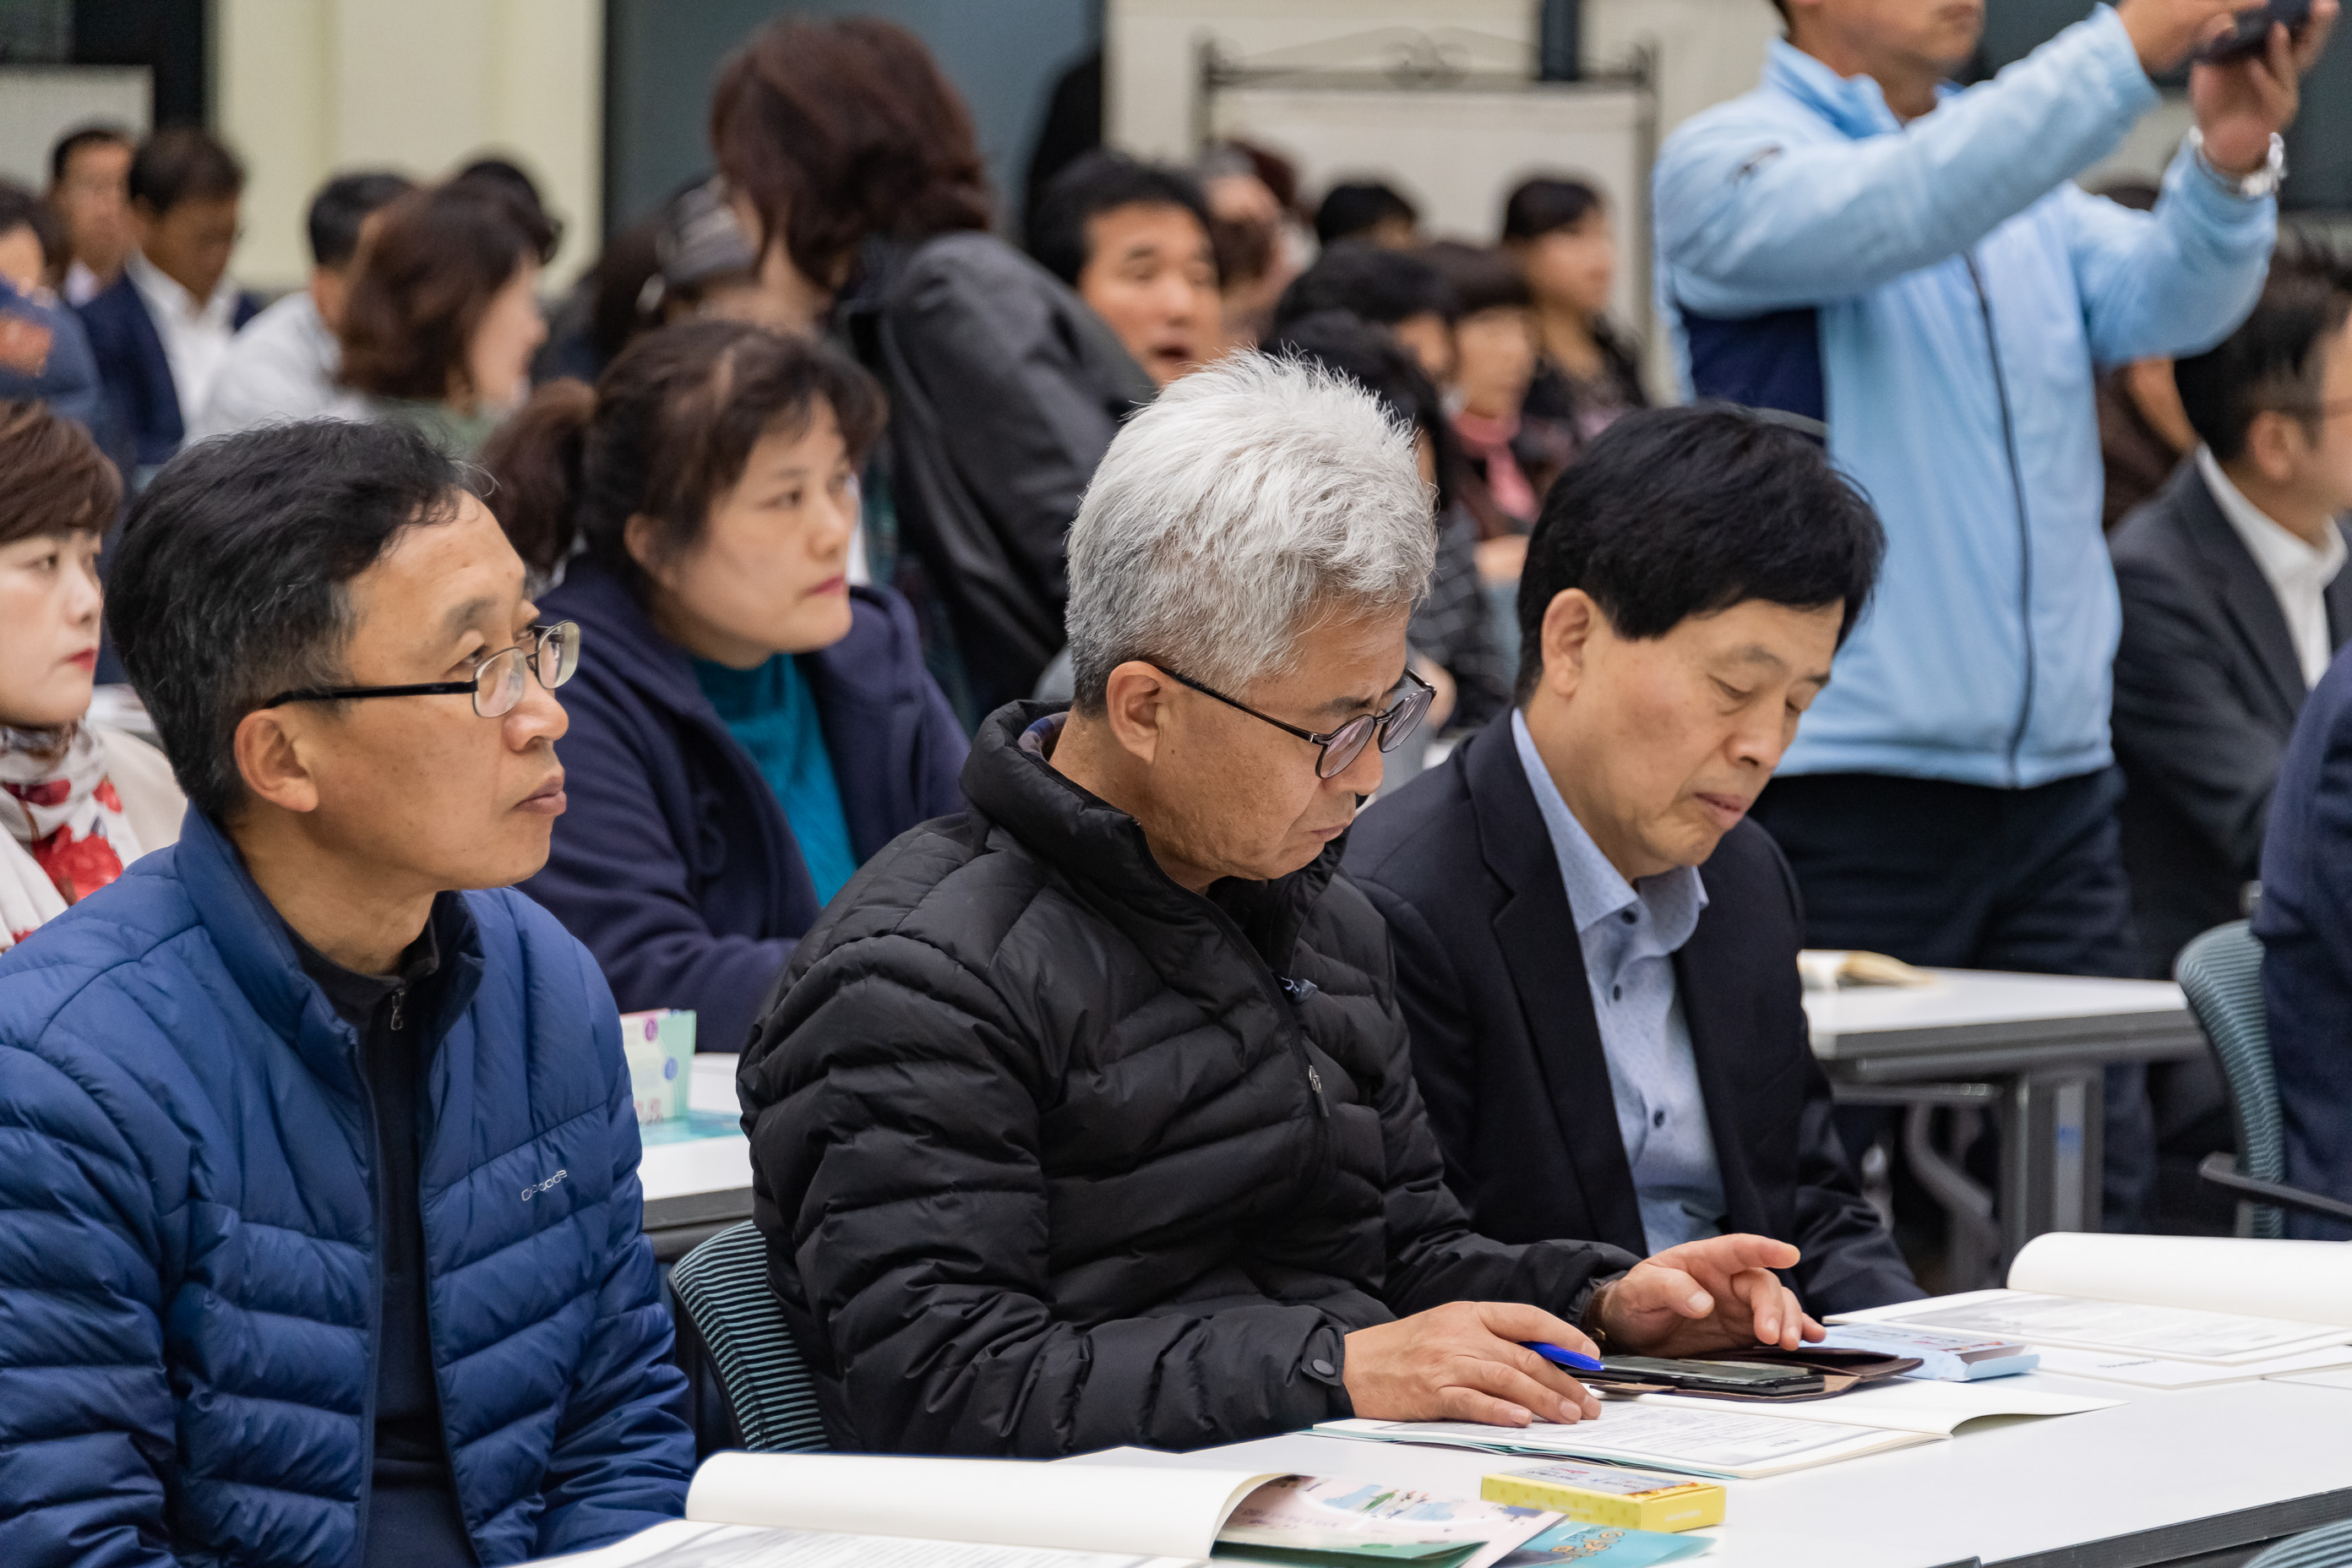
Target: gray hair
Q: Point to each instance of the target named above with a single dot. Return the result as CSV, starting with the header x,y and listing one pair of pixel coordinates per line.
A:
x,y
1251,500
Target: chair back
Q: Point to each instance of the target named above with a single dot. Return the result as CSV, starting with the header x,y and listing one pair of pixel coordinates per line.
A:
x,y
722,1288
2221,973
2329,1546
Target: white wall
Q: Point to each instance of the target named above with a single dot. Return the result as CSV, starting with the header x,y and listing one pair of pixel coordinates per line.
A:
x,y
305,87
38,104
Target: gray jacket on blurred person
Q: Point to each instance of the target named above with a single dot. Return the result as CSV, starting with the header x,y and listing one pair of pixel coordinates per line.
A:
x,y
1005,391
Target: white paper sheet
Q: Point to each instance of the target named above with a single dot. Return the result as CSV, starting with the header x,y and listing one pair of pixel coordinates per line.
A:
x,y
1158,1512
1935,1408
2339,1378
1720,1440
2179,1334
2300,1281
683,1544
2162,1371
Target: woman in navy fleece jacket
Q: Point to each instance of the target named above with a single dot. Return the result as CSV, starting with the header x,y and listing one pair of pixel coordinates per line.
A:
x,y
747,729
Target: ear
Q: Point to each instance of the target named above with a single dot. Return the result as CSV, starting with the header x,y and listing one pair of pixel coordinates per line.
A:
x,y
2275,445
640,537
328,288
1568,624
1135,708
270,758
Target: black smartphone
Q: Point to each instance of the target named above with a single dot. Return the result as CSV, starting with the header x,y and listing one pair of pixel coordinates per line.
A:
x,y
1716,1376
2252,33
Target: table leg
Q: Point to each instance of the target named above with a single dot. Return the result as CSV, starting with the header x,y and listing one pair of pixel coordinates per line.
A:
x,y
2050,1155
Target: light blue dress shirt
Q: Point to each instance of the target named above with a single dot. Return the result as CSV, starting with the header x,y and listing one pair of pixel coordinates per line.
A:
x,y
1628,935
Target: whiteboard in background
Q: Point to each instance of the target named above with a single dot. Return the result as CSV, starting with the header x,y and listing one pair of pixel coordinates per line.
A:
x,y
40,103
1456,152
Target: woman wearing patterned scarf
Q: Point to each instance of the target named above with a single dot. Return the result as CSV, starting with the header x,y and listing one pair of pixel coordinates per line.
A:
x,y
79,802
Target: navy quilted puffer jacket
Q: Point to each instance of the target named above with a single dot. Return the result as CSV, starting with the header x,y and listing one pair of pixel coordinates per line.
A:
x,y
187,1273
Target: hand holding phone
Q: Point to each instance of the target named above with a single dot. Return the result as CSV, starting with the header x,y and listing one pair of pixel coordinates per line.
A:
x,y
2250,32
2242,106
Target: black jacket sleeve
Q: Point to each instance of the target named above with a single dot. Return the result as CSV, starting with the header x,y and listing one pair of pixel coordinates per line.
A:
x,y
1435,1255
1021,388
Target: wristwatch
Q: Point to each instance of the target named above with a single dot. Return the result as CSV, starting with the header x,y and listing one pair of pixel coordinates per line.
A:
x,y
2252,187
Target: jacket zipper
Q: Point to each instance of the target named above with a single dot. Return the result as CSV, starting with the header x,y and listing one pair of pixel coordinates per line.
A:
x,y
425,1251
1285,1019
2024,525
376,1297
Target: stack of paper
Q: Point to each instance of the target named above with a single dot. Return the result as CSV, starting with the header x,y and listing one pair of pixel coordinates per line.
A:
x,y
1692,1435
2159,1312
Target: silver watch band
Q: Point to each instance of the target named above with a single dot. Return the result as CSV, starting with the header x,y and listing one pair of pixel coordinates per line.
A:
x,y
2263,181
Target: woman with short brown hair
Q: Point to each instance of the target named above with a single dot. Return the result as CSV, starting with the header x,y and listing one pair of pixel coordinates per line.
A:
x,y
442,316
77,802
855,169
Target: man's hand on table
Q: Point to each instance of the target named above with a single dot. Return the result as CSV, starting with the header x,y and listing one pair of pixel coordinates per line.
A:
x,y
1465,1362
1706,1296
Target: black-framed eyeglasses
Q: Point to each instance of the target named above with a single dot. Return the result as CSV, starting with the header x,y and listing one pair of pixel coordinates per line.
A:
x,y
1343,745
552,654
2328,409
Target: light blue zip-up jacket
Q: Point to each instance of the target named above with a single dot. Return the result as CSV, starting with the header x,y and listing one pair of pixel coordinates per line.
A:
x,y
1938,294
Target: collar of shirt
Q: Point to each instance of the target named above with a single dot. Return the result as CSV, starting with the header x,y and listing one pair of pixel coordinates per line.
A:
x,y
355,997
1668,903
2286,562
166,294
1856,105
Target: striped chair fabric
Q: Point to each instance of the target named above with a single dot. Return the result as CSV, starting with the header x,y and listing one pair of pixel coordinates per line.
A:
x,y
2221,973
722,1288
2329,1546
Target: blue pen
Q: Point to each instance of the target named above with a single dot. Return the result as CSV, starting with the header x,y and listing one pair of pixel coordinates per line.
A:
x,y
1566,1358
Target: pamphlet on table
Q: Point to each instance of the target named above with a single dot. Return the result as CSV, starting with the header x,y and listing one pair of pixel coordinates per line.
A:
x,y
2212,1301
1693,1436
815,1510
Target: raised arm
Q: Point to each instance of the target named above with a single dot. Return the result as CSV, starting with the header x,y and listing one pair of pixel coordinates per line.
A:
x,y
1751,219
2174,281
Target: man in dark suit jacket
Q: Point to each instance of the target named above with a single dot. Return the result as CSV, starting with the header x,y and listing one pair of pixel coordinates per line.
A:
x,y
2305,921
1596,952
2233,601
169,316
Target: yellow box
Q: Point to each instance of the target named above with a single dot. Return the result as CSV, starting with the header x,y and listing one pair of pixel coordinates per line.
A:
x,y
1604,1494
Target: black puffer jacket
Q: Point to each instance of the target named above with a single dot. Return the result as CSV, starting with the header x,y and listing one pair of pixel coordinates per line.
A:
x,y
1048,1160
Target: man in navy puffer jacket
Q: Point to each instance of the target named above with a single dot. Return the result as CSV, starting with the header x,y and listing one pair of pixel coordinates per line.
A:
x,y
319,1223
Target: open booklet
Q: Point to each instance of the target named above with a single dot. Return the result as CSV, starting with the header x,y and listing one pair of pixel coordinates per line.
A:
x,y
815,1510
1698,1437
2219,1302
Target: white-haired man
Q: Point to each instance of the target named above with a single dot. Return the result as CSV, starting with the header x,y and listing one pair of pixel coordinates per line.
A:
x,y
1088,1117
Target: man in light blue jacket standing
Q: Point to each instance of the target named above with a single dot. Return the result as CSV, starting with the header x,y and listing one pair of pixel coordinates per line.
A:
x,y
1902,268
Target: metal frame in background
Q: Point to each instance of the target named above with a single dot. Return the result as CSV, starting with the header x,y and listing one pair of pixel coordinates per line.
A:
x,y
1411,60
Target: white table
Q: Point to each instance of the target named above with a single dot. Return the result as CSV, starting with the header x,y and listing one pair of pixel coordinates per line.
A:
x,y
2028,1049
700,1186
2195,1476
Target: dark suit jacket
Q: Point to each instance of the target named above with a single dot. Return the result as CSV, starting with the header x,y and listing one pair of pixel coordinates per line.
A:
x,y
2207,690
2305,921
1509,1055
142,405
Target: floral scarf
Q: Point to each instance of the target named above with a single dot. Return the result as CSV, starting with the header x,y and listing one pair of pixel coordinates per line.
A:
x,y
66,836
